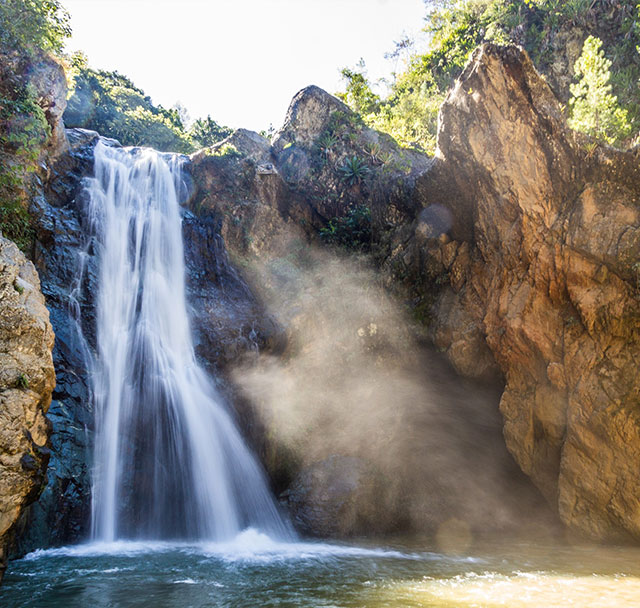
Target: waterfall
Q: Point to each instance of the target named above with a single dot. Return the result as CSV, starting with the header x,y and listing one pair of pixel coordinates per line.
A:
x,y
169,462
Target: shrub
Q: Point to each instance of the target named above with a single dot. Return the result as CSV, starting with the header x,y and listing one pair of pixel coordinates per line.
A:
x,y
22,381
326,142
352,231
227,151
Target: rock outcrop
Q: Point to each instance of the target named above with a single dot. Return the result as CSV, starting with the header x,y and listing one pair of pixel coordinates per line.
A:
x,y
540,261
48,79
26,381
517,247
324,163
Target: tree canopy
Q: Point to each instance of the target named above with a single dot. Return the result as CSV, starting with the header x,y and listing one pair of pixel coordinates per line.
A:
x,y
27,25
111,104
545,28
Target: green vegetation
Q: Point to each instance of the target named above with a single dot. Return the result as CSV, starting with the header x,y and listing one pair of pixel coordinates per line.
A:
x,y
28,30
327,142
594,109
111,104
28,26
546,28
205,132
225,151
359,94
351,231
354,170
22,381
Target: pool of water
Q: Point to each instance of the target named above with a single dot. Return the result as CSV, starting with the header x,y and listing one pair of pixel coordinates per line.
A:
x,y
254,571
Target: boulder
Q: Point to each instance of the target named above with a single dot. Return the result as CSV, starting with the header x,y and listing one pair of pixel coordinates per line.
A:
x,y
47,76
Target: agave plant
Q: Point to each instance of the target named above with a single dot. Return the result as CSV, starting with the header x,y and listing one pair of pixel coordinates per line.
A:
x,y
377,155
326,142
354,170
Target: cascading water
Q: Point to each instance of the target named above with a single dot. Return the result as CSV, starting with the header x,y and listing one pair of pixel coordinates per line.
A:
x,y
169,461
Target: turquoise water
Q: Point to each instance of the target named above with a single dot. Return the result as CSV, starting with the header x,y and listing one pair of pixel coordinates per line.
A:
x,y
254,571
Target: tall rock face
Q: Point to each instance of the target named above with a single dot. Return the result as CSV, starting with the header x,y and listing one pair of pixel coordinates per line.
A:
x,y
541,261
517,246
353,405
68,272
26,381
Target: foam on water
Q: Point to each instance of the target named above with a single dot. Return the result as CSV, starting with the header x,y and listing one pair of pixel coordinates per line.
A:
x,y
249,546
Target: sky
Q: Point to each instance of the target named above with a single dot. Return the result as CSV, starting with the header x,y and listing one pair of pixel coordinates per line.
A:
x,y
240,61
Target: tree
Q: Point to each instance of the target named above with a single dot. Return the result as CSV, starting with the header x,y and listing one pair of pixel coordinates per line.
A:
x,y
359,95
183,114
27,25
594,108
205,132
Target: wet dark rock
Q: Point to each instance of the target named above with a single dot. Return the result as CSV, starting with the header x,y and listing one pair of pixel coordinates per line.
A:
x,y
61,514
227,320
339,497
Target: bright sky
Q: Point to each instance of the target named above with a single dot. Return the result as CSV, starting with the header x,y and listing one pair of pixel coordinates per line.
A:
x,y
239,60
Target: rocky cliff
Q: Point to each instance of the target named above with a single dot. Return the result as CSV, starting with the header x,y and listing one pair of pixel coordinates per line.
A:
x,y
516,248
26,381
356,405
542,267
26,338
322,262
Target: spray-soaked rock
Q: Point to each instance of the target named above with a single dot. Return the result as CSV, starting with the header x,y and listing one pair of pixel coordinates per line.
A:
x,y
339,496
26,381
68,275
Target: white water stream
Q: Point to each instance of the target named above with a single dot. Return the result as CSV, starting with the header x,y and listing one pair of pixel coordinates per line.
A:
x,y
169,462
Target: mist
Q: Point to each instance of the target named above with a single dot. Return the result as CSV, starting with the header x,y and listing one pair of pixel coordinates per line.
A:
x,y
358,388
